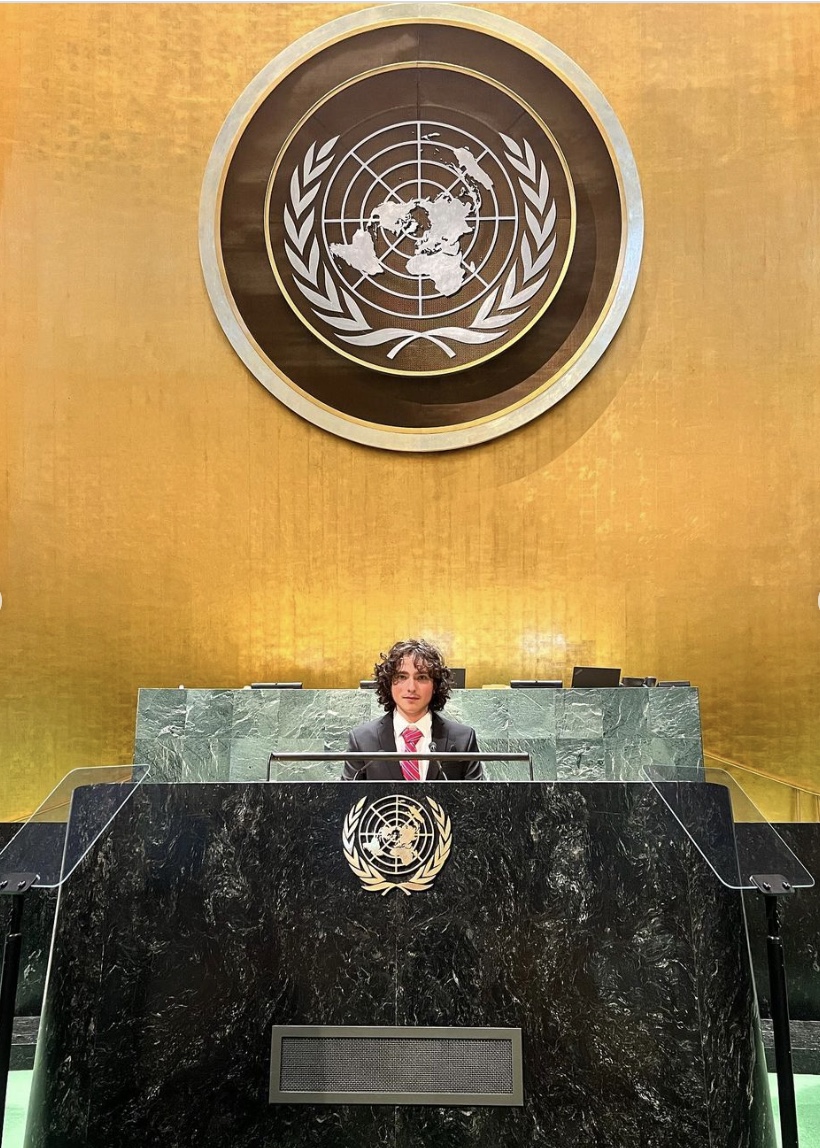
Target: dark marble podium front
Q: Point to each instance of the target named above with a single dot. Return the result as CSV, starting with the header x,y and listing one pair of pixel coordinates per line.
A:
x,y
577,912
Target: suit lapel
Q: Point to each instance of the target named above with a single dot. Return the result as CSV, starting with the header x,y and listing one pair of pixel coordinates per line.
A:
x,y
387,743
387,739
438,732
438,736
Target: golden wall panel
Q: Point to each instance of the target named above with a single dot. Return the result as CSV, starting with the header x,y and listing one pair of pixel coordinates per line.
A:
x,y
165,520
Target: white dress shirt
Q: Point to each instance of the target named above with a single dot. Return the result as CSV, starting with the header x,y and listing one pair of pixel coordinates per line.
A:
x,y
425,724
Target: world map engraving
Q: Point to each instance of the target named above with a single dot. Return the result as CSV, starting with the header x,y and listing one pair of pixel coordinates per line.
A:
x,y
449,236
433,227
395,841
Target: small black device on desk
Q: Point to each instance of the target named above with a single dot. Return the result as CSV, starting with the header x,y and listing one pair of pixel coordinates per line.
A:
x,y
595,677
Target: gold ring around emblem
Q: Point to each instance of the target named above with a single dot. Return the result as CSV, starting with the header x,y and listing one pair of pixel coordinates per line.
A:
x,y
548,379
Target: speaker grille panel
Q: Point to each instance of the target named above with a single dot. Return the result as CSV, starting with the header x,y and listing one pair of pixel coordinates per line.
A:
x,y
396,1066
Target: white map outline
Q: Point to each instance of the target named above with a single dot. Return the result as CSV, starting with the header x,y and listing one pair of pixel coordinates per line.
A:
x,y
338,308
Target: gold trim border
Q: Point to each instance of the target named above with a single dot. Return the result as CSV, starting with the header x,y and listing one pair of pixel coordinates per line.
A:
x,y
587,355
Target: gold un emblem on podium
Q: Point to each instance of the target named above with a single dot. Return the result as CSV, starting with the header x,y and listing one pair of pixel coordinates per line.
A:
x,y
397,843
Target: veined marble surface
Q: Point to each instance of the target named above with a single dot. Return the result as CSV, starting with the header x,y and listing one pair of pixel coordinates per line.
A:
x,y
593,735
580,913
38,921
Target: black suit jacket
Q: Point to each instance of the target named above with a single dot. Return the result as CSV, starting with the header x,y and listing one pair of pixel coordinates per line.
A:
x,y
447,736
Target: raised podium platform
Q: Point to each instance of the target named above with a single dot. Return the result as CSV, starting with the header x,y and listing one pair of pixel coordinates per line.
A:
x,y
579,914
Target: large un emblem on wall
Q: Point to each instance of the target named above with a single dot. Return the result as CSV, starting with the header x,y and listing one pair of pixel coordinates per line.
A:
x,y
421,226
417,246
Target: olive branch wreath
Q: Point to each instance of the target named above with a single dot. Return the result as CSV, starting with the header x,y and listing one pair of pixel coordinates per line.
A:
x,y
339,309
372,879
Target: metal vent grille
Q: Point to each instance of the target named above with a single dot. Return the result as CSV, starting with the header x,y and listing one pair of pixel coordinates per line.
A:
x,y
324,1065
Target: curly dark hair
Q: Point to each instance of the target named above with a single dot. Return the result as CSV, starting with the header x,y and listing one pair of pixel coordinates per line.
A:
x,y
423,654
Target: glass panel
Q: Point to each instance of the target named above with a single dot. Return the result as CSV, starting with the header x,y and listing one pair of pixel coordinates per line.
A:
x,y
782,800
736,841
64,827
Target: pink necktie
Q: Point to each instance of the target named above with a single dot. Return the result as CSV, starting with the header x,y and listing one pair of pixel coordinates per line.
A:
x,y
410,769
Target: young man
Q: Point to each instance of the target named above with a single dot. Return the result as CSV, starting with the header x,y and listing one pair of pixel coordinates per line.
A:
x,y
413,685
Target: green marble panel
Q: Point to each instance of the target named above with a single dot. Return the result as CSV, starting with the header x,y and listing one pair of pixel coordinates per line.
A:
x,y
185,735
254,733
532,712
301,713
305,770
502,770
209,720
579,760
625,714
166,756
673,712
580,714
542,755
626,760
485,710
212,735
677,756
160,713
159,740
345,709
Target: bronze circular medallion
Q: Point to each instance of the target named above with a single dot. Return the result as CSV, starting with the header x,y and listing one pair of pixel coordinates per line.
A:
x,y
421,226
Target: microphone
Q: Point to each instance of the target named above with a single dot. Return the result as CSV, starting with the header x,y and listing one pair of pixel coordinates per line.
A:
x,y
438,763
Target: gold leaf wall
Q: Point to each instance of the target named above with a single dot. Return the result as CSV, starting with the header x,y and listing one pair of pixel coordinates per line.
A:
x,y
165,520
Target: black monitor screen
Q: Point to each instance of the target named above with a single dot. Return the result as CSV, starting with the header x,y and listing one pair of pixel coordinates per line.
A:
x,y
595,677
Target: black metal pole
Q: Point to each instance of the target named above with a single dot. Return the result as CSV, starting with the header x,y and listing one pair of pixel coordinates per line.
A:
x,y
8,995
780,1024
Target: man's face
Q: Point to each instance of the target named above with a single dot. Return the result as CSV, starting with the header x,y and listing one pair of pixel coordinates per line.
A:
x,y
412,689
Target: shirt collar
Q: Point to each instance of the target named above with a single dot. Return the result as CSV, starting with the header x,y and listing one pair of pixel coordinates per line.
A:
x,y
425,724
